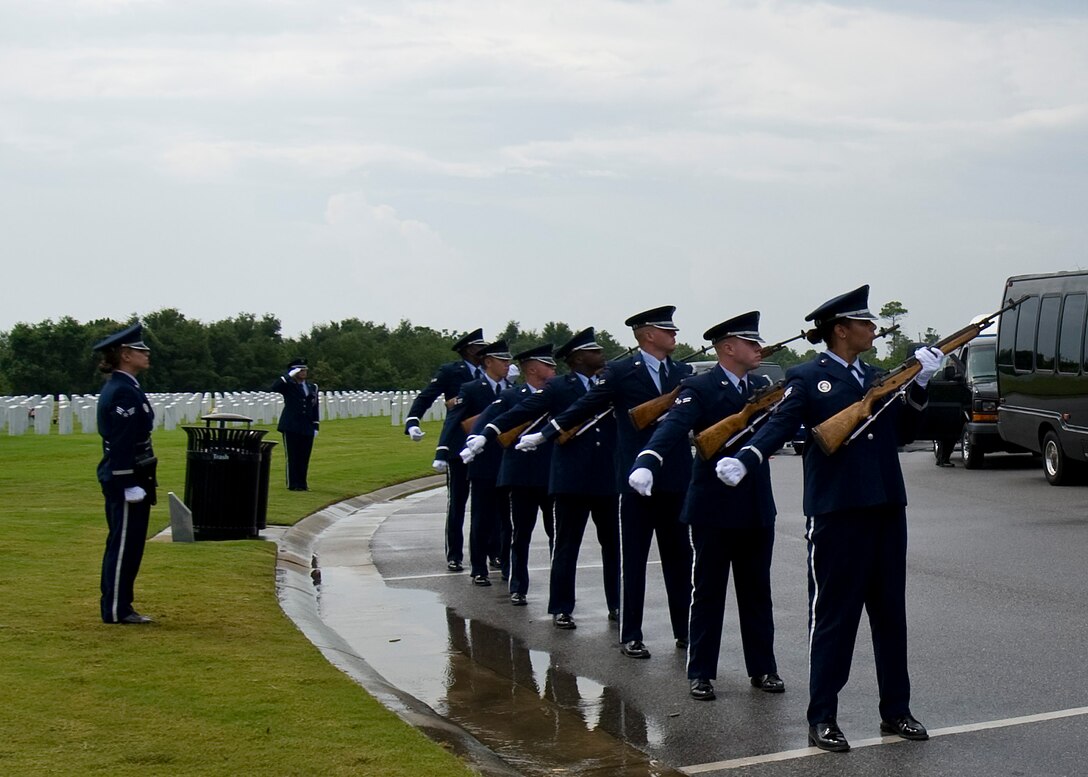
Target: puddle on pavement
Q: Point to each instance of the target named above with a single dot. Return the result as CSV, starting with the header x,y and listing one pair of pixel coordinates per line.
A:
x,y
538,717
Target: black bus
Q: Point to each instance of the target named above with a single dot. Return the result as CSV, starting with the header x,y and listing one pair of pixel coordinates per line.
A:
x,y
1042,371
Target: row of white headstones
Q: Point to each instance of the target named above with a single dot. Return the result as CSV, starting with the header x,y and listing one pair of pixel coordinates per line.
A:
x,y
42,414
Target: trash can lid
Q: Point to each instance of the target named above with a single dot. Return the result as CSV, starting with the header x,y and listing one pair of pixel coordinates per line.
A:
x,y
223,418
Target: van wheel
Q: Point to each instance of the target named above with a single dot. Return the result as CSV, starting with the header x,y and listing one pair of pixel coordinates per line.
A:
x,y
972,456
1058,469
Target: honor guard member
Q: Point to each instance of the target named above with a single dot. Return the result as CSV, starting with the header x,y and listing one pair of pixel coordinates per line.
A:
x,y
447,382
523,474
127,470
730,527
299,421
581,478
855,504
625,384
490,508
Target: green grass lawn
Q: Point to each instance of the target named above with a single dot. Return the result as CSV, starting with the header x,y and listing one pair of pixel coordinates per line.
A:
x,y
222,683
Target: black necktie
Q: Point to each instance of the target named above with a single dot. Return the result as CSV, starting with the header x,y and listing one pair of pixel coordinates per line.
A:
x,y
742,387
498,388
855,370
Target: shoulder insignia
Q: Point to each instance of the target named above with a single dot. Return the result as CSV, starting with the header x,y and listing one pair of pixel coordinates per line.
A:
x,y
787,392
823,386
682,400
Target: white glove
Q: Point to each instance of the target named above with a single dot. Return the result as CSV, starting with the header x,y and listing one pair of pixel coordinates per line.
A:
x,y
293,373
415,433
730,471
530,442
930,359
473,445
134,494
642,480
315,432
512,373
440,466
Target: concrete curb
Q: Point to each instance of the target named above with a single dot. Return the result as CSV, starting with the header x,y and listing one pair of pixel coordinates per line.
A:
x,y
298,580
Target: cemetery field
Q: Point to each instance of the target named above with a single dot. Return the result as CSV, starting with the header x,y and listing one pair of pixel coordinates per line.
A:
x,y
223,682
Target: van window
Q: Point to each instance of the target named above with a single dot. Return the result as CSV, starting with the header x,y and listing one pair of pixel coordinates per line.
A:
x,y
1046,344
1006,336
1072,333
1023,357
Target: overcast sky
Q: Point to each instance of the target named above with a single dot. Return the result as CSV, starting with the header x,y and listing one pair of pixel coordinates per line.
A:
x,y
462,164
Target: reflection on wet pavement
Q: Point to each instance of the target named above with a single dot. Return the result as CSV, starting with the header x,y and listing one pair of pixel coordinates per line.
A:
x,y
537,716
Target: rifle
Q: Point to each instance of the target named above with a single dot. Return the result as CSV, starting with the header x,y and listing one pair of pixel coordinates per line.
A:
x,y
468,423
761,404
648,412
848,423
507,438
569,434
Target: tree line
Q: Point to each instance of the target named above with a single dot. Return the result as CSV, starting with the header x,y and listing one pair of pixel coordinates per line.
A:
x,y
247,352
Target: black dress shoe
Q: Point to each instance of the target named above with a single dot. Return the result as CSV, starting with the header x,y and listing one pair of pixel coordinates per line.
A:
x,y
771,683
455,566
564,621
494,563
681,644
635,649
481,580
945,464
702,690
613,615
828,736
518,600
906,727
135,617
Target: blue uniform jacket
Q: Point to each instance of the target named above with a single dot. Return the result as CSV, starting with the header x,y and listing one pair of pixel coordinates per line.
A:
x,y
626,383
447,382
473,398
704,400
866,472
520,469
300,410
125,421
584,464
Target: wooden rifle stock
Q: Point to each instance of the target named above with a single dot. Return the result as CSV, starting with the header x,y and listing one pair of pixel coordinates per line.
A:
x,y
712,439
567,435
836,431
507,438
468,423
648,412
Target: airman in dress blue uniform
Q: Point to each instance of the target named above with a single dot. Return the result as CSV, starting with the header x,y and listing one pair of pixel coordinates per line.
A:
x,y
582,477
127,469
855,502
299,421
447,382
490,505
523,474
625,384
730,527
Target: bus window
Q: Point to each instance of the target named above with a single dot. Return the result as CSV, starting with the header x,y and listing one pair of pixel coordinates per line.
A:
x,y
1071,333
1047,341
1023,357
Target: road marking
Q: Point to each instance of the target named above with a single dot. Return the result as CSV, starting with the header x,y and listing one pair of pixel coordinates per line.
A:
x,y
787,755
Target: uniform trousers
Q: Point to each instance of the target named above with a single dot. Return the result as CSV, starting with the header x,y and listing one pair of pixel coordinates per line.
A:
x,y
524,504
124,551
640,518
857,558
572,512
457,489
297,447
748,552
490,509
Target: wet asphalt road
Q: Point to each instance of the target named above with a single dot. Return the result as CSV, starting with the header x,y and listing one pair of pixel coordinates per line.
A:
x,y
997,613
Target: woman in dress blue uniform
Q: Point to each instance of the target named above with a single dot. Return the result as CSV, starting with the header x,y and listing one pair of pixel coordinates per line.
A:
x,y
855,503
127,469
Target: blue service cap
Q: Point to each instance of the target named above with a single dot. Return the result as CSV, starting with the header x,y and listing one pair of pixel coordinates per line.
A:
x,y
298,361
745,325
542,354
130,337
852,304
583,341
659,317
475,337
497,350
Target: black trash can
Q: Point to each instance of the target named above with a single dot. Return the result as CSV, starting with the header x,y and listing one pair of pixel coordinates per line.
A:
x,y
226,478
